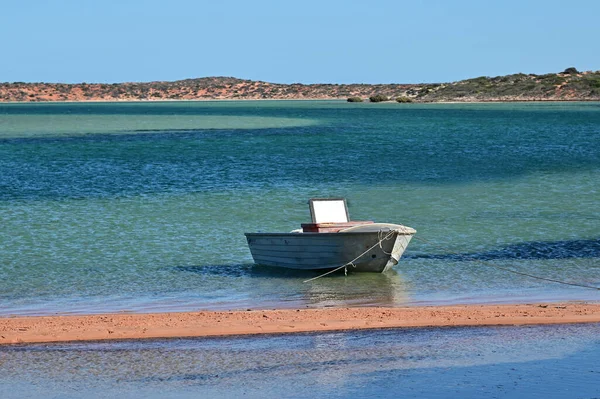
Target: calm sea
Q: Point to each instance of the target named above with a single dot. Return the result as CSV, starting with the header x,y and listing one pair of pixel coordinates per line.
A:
x,y
142,206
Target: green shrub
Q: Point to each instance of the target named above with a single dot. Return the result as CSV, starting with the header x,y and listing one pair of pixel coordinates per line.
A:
x,y
404,100
355,100
480,79
595,83
378,98
571,71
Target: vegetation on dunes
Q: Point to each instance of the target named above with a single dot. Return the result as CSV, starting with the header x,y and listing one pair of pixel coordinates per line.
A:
x,y
569,85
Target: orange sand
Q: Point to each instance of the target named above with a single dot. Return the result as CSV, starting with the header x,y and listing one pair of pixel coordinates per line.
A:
x,y
204,324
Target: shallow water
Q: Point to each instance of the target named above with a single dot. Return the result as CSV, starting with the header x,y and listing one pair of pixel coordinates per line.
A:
x,y
143,206
501,362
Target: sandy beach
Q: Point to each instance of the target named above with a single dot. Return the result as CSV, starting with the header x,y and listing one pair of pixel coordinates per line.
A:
x,y
15,330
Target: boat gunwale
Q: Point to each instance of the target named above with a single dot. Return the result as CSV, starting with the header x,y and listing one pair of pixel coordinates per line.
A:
x,y
315,234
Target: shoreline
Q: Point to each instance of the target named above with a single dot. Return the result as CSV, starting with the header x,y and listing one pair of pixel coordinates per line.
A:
x,y
202,100
71,328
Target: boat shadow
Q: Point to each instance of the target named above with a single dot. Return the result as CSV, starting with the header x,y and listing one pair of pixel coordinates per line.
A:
x,y
533,250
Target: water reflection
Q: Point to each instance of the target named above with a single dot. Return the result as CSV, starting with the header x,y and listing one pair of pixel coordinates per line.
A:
x,y
268,284
547,361
365,289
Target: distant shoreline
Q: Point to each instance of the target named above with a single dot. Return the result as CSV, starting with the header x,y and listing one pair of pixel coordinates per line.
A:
x,y
201,100
204,100
42,329
569,85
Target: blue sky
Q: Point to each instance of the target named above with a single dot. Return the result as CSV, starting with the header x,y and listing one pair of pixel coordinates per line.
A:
x,y
326,41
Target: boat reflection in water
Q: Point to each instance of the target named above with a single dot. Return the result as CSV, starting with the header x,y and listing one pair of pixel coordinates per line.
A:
x,y
365,289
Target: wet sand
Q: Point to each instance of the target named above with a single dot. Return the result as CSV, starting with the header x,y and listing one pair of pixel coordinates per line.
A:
x,y
38,329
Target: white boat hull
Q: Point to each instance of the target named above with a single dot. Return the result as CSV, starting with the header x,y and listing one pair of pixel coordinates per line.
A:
x,y
372,248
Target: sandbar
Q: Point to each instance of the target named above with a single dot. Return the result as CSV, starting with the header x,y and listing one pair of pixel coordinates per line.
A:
x,y
121,326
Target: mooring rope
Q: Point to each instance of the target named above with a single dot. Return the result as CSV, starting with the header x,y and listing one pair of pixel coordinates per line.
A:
x,y
510,270
379,235
351,263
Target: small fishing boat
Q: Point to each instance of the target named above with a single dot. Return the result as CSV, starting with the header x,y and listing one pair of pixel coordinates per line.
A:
x,y
332,241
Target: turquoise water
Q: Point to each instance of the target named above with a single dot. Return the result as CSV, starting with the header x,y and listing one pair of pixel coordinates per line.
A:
x,y
142,206
503,362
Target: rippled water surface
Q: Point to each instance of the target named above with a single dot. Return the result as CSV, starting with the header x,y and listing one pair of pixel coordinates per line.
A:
x,y
503,362
143,206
